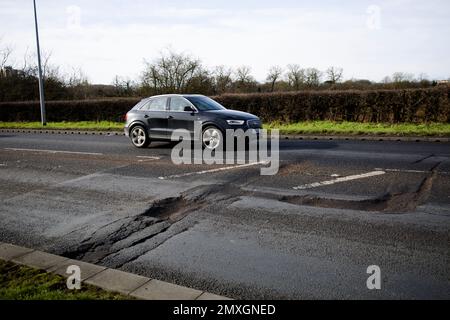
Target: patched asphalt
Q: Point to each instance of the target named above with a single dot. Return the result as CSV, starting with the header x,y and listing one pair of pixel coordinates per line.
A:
x,y
235,232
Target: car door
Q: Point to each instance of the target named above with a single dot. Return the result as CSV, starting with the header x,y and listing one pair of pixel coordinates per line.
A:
x,y
156,115
178,118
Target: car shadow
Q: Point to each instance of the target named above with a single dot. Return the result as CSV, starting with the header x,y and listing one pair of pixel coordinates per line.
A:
x,y
283,144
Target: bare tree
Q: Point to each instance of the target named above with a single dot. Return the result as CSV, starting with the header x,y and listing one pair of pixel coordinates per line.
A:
x,y
398,77
29,67
171,72
26,62
5,53
222,78
295,76
386,80
313,77
49,70
244,80
334,74
274,74
243,74
123,85
76,77
202,82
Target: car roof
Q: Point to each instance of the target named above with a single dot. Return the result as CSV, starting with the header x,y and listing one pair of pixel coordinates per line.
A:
x,y
175,95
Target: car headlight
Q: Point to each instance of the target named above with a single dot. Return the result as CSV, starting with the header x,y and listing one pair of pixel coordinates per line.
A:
x,y
235,122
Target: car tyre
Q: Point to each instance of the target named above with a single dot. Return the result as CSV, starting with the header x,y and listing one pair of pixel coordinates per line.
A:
x,y
212,138
139,137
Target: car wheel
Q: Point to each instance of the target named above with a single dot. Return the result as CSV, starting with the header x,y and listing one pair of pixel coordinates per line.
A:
x,y
212,138
139,137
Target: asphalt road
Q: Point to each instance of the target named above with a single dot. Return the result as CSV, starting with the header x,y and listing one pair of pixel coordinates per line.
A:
x,y
311,231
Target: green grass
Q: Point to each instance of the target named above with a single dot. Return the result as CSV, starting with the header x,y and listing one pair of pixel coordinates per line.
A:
x,y
357,128
24,283
80,125
307,127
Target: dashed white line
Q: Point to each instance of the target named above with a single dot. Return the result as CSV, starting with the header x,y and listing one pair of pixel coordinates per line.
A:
x,y
403,170
55,151
147,158
334,175
340,179
412,171
212,170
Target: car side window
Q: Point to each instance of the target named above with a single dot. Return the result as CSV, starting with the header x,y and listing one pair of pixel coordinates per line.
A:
x,y
178,103
155,104
145,105
158,104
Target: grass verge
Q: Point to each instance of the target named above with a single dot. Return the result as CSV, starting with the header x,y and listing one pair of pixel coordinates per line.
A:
x,y
308,127
357,128
24,283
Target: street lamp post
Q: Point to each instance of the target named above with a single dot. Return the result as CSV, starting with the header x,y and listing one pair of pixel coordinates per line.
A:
x,y
41,82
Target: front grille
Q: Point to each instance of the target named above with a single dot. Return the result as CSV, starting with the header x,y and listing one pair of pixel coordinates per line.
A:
x,y
254,124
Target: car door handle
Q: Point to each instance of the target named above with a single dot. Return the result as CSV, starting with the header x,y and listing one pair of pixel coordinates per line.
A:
x,y
146,116
169,117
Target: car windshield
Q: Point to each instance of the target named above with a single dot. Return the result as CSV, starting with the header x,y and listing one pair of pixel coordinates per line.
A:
x,y
205,103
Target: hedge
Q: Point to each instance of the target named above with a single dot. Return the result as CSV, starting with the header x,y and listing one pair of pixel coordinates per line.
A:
x,y
389,106
68,110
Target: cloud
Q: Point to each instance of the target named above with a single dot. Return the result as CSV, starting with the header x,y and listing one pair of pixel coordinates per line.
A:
x,y
114,39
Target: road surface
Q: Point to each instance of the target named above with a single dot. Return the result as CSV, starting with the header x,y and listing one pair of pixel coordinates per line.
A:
x,y
311,231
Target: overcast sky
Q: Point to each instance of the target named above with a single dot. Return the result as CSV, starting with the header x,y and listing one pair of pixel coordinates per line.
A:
x,y
369,39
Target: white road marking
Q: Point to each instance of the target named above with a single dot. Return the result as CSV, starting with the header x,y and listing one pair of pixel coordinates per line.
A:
x,y
147,158
334,175
55,151
411,171
212,170
403,170
338,180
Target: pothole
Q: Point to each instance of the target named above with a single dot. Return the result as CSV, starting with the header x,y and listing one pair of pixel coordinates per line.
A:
x,y
294,168
389,202
173,209
130,231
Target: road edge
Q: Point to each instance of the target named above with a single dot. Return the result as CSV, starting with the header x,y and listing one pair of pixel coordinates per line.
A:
x,y
282,136
109,279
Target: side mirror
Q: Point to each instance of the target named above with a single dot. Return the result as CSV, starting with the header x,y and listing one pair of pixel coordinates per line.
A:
x,y
188,109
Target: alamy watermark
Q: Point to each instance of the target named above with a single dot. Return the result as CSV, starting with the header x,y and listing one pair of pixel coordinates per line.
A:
x,y
373,21
74,279
73,21
236,146
374,280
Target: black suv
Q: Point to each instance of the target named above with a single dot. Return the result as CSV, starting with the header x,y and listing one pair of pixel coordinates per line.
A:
x,y
155,118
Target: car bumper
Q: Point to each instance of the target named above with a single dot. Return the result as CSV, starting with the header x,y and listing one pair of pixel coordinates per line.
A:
x,y
255,131
126,130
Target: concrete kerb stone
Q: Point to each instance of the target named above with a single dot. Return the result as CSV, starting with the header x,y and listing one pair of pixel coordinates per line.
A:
x,y
39,260
108,279
116,280
87,269
160,290
10,251
211,296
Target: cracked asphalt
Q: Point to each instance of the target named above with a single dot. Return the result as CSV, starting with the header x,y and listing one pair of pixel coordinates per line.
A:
x,y
309,232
